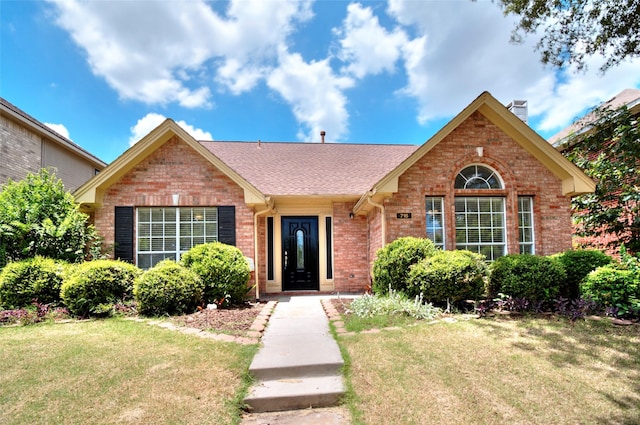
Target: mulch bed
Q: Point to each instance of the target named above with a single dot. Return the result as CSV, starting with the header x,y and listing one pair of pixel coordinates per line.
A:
x,y
341,305
235,320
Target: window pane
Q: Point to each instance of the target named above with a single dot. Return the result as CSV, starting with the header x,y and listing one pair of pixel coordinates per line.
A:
x,y
525,224
435,220
479,227
477,177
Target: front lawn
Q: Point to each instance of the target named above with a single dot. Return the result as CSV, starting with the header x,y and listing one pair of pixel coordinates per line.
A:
x,y
118,371
496,371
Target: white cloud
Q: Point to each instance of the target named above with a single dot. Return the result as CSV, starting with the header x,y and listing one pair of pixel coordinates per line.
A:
x,y
315,94
462,49
367,47
59,128
152,51
150,121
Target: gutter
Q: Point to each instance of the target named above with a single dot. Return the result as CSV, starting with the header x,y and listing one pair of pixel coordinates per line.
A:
x,y
270,208
382,214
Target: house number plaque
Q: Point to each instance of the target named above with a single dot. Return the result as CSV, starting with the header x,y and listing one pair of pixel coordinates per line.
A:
x,y
403,215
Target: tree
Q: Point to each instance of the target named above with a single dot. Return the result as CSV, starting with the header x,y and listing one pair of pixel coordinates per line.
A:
x,y
609,152
576,29
37,217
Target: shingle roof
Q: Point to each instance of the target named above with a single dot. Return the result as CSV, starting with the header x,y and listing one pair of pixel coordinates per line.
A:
x,y
292,169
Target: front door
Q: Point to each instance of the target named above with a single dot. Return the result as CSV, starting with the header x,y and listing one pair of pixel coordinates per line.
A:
x,y
300,253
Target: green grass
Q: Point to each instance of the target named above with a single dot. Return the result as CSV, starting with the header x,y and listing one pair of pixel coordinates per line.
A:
x,y
354,323
116,372
528,371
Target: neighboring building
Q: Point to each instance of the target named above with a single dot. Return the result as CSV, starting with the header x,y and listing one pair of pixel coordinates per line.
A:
x,y
27,146
311,216
568,138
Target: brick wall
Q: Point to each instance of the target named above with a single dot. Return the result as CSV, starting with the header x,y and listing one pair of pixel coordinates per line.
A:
x,y
175,168
351,247
20,151
434,175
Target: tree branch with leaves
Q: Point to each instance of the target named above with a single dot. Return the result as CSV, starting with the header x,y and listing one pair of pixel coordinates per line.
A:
x,y
573,30
608,151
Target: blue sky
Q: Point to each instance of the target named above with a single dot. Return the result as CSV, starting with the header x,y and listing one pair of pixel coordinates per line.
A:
x,y
104,73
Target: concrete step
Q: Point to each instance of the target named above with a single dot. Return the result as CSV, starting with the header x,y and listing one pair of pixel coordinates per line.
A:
x,y
295,393
269,371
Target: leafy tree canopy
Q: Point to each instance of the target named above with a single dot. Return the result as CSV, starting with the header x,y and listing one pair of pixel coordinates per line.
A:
x,y
609,152
38,217
573,30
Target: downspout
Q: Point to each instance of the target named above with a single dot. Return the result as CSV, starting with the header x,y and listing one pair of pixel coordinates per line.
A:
x,y
256,266
383,218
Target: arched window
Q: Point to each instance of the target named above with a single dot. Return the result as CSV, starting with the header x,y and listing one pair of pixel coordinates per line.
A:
x,y
480,220
478,177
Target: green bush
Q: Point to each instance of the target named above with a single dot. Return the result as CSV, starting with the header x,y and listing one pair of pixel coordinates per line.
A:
x,y
613,287
578,264
526,276
392,263
95,287
223,270
36,278
449,276
38,217
168,288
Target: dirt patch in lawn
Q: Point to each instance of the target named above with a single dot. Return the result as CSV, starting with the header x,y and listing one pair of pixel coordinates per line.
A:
x,y
341,305
235,320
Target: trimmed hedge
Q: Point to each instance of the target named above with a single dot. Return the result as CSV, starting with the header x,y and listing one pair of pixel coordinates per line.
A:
x,y
449,276
168,288
526,276
614,287
578,264
37,278
223,270
96,286
392,263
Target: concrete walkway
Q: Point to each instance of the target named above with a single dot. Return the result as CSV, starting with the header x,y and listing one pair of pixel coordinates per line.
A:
x,y
298,365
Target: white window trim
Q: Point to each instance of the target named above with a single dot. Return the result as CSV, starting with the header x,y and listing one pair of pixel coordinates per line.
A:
x,y
441,215
179,249
475,247
532,243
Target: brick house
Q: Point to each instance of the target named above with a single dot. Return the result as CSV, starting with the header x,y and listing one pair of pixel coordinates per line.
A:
x,y
27,145
311,216
570,138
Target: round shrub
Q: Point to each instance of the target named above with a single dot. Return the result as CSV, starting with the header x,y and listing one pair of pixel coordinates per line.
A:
x,y
526,276
578,264
449,275
613,287
392,263
168,288
95,287
223,270
37,278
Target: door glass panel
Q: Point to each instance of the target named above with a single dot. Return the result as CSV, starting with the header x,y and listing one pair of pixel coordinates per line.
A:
x,y
300,249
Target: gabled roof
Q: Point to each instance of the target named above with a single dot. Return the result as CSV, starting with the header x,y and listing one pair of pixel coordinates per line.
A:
x,y
627,97
574,181
91,193
17,114
311,169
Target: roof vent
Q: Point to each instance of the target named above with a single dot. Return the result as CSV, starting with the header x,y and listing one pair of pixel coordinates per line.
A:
x,y
322,134
520,109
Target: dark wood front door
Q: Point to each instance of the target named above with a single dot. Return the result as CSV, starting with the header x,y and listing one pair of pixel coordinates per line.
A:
x,y
300,253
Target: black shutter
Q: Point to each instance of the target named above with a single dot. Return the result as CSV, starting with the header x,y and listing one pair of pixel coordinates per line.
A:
x,y
124,234
227,225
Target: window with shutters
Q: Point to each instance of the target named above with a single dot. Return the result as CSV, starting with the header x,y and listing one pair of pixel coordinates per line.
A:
x,y
166,233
